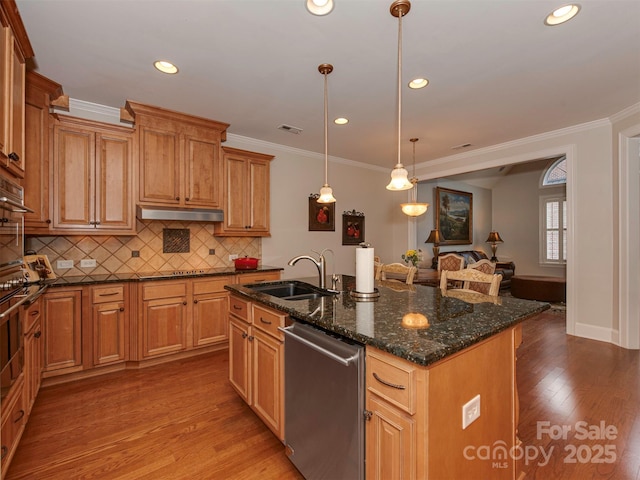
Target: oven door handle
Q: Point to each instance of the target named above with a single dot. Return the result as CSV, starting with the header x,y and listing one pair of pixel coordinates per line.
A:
x,y
22,301
18,207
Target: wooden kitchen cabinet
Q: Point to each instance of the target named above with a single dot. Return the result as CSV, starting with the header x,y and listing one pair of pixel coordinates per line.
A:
x,y
92,178
179,163
209,316
41,94
13,422
256,360
110,321
62,309
164,317
33,352
15,49
246,194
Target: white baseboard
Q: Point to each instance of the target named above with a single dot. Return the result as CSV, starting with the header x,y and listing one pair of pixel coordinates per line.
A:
x,y
593,332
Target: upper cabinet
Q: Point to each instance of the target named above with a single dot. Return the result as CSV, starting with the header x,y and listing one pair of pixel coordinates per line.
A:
x,y
92,177
15,49
41,94
246,194
179,162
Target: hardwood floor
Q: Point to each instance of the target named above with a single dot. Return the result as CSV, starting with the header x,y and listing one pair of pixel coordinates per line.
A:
x,y
183,421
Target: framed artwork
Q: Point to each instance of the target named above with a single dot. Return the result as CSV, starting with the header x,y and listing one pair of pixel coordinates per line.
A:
x,y
352,228
454,216
322,216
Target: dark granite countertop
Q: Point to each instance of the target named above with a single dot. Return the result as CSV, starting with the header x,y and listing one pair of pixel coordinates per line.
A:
x,y
138,277
453,323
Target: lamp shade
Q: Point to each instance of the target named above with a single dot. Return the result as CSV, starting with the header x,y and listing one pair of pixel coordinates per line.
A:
x,y
435,237
494,237
414,209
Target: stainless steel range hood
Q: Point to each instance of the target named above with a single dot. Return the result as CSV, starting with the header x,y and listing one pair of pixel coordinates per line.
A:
x,y
181,214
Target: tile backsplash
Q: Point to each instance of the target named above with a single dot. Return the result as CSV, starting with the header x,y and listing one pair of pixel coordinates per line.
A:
x,y
113,254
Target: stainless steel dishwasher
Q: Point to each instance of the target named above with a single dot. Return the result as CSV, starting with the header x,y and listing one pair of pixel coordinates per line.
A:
x,y
324,404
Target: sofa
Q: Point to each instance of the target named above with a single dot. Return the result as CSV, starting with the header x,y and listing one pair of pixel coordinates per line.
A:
x,y
427,269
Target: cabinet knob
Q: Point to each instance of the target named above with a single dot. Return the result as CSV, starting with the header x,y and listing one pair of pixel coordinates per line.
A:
x,y
177,199
244,335
184,303
5,450
48,220
186,199
38,334
251,337
195,301
14,157
122,309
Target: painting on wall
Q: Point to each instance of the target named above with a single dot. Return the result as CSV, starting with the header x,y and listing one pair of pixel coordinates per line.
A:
x,y
322,216
454,216
352,228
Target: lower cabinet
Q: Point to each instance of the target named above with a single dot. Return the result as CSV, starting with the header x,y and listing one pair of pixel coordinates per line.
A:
x,y
13,422
33,349
256,360
62,309
110,322
209,317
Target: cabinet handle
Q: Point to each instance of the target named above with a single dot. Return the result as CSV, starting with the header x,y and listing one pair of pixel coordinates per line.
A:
x,y
20,417
34,313
5,450
108,294
367,415
388,384
122,309
14,157
265,321
244,335
38,334
195,301
236,307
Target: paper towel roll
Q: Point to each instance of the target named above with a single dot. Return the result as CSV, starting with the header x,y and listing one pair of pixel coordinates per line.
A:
x,y
364,270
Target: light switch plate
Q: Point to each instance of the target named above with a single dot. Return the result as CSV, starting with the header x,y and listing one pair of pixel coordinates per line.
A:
x,y
64,264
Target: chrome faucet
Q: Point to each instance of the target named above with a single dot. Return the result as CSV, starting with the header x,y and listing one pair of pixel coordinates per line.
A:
x,y
319,263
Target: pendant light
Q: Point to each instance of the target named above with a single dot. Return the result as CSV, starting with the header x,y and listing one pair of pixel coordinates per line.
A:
x,y
414,209
326,194
399,180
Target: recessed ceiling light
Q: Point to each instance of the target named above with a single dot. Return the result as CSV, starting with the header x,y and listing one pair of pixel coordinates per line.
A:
x,y
320,7
341,121
165,67
418,83
562,14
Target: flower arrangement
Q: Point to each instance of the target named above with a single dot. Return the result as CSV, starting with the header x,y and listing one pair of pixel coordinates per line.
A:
x,y
412,257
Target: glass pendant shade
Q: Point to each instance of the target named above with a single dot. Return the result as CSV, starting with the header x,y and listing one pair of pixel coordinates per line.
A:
x,y
399,179
414,209
326,195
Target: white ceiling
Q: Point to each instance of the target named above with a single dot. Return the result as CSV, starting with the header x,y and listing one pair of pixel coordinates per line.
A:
x,y
497,72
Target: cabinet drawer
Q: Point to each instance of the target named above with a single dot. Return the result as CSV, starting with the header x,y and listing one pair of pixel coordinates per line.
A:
x,y
255,277
211,285
392,380
156,290
268,320
107,294
32,315
239,308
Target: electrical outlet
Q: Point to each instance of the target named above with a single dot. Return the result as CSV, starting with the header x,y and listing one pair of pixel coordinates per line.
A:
x,y
63,264
470,411
87,263
233,256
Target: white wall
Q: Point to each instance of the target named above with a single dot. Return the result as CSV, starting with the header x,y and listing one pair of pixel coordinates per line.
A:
x,y
294,175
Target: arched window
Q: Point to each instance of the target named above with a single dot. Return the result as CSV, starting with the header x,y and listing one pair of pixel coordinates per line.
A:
x,y
556,174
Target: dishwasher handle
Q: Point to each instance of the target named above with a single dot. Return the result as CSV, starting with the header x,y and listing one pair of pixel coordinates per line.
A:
x,y
344,361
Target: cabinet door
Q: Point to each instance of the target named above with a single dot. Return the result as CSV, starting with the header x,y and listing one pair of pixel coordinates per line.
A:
x,y
239,357
109,333
267,383
113,195
202,177
210,319
236,193
163,326
258,202
73,168
13,422
390,442
159,167
63,327
32,328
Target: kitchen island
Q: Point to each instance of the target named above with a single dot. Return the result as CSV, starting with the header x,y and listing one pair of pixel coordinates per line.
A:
x,y
429,358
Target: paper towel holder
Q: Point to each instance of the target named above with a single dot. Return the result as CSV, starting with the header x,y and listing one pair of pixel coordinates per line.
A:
x,y
365,297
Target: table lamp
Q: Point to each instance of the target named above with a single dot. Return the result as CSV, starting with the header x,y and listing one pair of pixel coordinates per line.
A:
x,y
436,239
494,239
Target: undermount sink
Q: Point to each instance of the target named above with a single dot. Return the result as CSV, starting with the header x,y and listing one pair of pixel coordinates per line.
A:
x,y
290,290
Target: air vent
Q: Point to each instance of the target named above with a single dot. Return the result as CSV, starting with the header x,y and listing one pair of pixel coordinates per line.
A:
x,y
458,147
290,129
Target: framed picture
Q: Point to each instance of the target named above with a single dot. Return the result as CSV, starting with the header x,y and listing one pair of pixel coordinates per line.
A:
x,y
352,228
454,216
322,216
